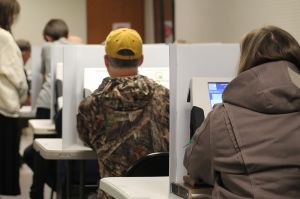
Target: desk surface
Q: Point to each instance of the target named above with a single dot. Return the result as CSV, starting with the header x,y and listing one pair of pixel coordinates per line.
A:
x,y
137,187
51,148
42,126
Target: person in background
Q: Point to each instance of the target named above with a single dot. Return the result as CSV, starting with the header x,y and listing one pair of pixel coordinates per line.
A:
x,y
25,48
248,146
13,92
127,117
55,32
75,39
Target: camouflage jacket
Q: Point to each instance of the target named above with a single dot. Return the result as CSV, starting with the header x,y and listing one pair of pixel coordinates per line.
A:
x,y
124,119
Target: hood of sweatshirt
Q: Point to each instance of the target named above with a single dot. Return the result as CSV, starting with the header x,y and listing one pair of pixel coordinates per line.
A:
x,y
272,88
126,93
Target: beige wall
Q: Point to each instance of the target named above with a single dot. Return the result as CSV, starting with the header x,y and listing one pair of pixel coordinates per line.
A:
x,y
35,14
229,20
196,20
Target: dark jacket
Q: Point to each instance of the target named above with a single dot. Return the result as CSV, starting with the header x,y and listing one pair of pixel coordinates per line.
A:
x,y
125,119
248,146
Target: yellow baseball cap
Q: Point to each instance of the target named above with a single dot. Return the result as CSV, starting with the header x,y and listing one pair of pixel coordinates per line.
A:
x,y
124,39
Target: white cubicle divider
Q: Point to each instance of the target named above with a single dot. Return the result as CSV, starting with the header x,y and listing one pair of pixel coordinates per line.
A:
x,y
36,77
156,63
76,59
188,61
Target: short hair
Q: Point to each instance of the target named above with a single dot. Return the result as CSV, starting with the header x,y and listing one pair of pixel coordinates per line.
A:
x,y
24,45
56,29
9,10
268,44
122,63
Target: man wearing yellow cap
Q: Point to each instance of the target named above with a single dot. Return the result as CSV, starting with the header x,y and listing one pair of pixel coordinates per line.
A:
x,y
127,117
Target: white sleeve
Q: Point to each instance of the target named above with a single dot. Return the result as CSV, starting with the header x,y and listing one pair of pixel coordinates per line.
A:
x,y
12,68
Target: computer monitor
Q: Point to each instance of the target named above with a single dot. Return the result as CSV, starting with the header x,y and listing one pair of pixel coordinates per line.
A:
x,y
94,76
215,90
207,91
92,79
158,74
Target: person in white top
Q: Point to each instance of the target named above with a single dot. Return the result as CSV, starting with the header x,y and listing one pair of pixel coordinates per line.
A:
x,y
13,92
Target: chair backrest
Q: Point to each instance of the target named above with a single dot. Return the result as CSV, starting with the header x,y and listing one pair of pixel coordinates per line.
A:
x,y
154,164
59,95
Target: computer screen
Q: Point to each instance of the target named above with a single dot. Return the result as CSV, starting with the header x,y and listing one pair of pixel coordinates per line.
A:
x,y
92,79
158,74
215,90
205,92
94,76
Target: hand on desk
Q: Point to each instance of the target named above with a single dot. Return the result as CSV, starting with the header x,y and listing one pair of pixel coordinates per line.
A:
x,y
191,188
192,182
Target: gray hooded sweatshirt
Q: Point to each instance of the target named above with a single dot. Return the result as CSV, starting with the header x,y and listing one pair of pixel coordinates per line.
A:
x,y
248,146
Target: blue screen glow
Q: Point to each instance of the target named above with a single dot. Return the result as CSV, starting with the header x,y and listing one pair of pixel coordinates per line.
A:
x,y
215,90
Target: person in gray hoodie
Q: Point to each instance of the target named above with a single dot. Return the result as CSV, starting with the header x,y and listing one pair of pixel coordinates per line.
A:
x,y
248,146
55,32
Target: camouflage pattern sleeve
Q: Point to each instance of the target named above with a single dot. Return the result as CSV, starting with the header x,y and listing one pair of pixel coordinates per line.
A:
x,y
84,120
162,111
166,110
167,116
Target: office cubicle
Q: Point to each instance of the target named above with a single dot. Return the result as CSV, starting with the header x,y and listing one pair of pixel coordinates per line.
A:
x,y
188,61
77,58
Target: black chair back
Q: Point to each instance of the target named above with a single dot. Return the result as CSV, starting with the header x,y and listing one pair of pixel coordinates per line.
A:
x,y
154,164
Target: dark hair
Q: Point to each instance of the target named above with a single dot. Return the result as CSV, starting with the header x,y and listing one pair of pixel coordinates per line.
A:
x,y
56,29
123,63
9,10
268,44
24,45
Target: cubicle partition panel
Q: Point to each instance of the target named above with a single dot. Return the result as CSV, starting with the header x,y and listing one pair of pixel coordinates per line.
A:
x,y
188,61
156,63
77,58
155,55
36,77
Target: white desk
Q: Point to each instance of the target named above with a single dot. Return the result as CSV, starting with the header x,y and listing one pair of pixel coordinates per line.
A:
x,y
42,126
141,188
137,187
51,148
